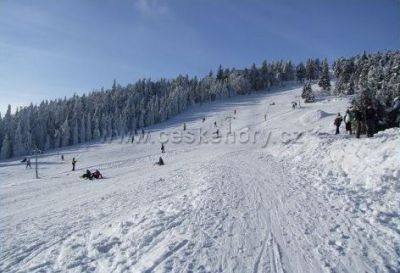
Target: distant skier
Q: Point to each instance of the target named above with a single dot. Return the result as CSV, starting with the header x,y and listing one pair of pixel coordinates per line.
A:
x,y
204,119
73,163
184,126
338,122
358,120
162,148
217,133
87,175
347,121
215,124
28,164
62,157
160,162
370,114
97,175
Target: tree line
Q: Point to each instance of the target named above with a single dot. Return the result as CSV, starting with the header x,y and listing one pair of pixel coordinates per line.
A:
x,y
120,110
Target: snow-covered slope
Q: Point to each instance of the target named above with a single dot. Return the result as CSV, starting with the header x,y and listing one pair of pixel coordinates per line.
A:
x,y
281,195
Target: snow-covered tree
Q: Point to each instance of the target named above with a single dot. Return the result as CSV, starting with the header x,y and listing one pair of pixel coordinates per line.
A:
x,y
307,93
324,81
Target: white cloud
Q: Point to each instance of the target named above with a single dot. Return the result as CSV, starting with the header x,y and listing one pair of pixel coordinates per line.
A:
x,y
151,7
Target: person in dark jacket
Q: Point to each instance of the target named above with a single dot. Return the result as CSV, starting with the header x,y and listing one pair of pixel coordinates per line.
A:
x,y
358,120
160,162
73,163
97,174
370,114
338,122
87,175
28,164
162,148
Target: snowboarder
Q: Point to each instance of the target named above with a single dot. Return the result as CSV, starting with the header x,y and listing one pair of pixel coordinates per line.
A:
x,y
28,164
162,148
184,126
62,157
338,122
97,175
87,175
370,120
73,163
358,119
347,121
160,162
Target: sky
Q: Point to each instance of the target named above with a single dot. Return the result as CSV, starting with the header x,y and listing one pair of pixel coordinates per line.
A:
x,y
52,49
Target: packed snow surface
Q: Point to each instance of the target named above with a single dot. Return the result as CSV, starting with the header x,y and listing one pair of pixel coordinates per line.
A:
x,y
277,195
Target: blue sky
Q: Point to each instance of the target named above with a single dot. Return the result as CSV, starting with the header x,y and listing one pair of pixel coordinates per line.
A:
x,y
51,49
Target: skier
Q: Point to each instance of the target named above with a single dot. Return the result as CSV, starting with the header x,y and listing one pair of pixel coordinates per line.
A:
x,y
73,163
217,133
88,175
28,164
370,120
162,148
337,122
97,175
160,162
184,126
215,124
357,118
204,119
62,157
347,121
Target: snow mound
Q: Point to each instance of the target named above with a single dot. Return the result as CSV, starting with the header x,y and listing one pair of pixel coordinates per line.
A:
x,y
313,116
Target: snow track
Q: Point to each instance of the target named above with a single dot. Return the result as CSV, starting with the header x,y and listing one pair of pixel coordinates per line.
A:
x,y
211,208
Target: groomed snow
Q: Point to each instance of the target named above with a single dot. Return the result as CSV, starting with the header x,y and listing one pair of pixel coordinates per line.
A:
x,y
297,199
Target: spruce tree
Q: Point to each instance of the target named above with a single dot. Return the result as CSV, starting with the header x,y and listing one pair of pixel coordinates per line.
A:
x,y
324,81
307,93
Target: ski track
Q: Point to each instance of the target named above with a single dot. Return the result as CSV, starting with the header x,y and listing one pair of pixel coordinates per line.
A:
x,y
211,208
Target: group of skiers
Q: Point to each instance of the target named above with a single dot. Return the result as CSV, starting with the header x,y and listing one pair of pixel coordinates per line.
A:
x,y
89,175
355,118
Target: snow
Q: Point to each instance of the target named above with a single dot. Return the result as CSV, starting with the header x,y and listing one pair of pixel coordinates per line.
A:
x,y
297,199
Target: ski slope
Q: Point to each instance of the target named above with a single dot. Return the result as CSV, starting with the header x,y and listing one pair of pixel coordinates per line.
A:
x,y
297,199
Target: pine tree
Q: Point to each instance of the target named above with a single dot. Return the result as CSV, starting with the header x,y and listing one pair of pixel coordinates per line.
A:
x,y
6,150
324,81
300,72
220,73
66,133
307,93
